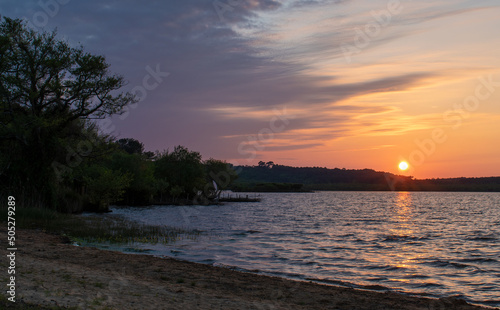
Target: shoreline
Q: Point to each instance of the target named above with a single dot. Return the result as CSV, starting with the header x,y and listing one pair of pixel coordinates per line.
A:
x,y
51,272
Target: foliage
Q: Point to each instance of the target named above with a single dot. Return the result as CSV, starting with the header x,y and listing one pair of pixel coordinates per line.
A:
x,y
219,172
131,146
105,186
53,81
183,169
265,176
49,93
143,184
309,175
51,152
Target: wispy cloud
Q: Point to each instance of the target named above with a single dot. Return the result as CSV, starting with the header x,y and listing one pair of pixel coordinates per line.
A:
x,y
227,76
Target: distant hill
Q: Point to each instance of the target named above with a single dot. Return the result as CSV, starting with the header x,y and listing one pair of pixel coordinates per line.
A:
x,y
273,177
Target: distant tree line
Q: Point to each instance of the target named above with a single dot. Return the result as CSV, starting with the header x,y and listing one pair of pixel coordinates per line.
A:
x,y
269,176
52,154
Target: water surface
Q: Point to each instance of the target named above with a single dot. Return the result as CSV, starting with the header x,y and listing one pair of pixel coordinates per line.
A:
x,y
433,244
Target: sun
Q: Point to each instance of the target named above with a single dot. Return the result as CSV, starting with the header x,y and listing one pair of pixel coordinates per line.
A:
x,y
403,165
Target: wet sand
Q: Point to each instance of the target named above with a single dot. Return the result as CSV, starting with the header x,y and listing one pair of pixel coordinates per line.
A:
x,y
52,272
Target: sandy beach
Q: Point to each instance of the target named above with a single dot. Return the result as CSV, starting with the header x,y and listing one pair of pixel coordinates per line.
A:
x,y
50,271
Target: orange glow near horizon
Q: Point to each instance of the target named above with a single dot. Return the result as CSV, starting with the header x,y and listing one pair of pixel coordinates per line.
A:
x,y
434,105
410,90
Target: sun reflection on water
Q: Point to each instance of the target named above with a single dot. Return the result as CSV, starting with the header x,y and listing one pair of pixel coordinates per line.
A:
x,y
403,229
438,244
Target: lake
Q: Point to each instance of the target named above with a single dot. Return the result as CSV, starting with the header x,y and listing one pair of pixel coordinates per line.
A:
x,y
425,243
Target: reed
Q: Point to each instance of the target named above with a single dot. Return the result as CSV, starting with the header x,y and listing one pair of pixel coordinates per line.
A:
x,y
97,228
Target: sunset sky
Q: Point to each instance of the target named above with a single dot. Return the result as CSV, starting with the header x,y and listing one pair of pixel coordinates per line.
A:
x,y
348,83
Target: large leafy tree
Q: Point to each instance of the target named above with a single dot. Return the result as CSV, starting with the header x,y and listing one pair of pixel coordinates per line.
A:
x,y
184,171
143,184
49,91
46,77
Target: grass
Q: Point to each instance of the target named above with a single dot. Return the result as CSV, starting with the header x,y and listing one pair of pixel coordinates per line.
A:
x,y
89,229
96,228
98,301
66,277
99,285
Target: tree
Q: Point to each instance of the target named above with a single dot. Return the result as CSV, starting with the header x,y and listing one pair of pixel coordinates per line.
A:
x,y
143,185
48,91
131,146
105,186
45,77
182,169
221,173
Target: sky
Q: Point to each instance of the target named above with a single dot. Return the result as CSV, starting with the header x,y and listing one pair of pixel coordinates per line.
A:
x,y
348,83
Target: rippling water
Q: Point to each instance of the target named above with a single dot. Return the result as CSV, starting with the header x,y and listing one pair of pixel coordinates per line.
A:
x,y
434,244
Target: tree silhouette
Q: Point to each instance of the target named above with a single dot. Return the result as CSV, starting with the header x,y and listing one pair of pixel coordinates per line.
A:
x,y
49,93
131,146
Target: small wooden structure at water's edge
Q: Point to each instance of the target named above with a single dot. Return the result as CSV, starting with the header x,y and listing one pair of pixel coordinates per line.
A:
x,y
238,198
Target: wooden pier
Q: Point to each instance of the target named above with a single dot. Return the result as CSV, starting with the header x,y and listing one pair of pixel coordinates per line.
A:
x,y
238,198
